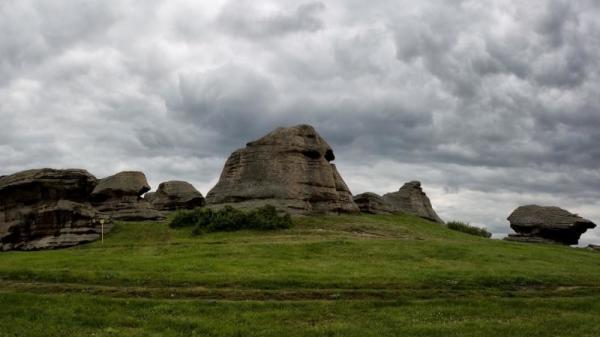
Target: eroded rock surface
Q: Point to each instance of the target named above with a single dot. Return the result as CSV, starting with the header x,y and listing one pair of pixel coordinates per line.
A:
x,y
411,199
547,224
48,208
120,197
173,195
289,168
372,203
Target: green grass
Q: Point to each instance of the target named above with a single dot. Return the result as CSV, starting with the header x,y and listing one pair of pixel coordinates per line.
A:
x,y
326,276
81,315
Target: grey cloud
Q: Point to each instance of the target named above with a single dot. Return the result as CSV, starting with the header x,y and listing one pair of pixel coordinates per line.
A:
x,y
490,106
237,18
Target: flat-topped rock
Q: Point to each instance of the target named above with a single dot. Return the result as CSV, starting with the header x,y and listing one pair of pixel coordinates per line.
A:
x,y
372,203
48,208
535,223
411,199
173,195
290,169
122,183
120,197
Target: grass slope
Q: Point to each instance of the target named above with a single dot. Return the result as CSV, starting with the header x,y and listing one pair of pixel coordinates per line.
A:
x,y
332,276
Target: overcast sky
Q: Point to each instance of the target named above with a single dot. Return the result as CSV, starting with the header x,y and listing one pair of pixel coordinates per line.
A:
x,y
491,104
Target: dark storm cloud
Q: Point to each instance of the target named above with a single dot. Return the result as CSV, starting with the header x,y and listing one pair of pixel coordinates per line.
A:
x,y
490,104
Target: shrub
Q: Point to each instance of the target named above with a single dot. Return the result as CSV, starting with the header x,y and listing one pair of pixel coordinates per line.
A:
x,y
230,219
183,218
467,228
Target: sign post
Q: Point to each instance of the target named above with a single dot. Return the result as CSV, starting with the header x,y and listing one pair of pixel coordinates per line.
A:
x,y
102,230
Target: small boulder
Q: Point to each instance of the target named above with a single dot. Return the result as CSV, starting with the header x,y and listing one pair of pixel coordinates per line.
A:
x,y
535,223
411,199
48,208
119,196
372,203
594,247
173,195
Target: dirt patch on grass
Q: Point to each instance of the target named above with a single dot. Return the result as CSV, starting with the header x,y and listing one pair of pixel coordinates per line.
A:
x,y
235,294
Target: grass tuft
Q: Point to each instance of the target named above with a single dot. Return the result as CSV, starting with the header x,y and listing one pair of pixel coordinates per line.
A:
x,y
467,228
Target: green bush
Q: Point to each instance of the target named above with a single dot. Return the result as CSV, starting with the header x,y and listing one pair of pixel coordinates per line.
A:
x,y
467,228
230,219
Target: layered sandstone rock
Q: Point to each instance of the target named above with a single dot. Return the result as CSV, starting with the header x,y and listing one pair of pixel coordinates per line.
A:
x,y
372,203
411,199
289,168
47,208
120,197
173,195
541,224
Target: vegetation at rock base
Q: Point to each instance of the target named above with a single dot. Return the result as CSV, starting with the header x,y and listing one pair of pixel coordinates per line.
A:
x,y
350,275
229,219
467,228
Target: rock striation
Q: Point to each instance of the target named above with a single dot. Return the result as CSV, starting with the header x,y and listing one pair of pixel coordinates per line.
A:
x,y
119,196
289,168
173,195
549,224
48,208
411,199
372,203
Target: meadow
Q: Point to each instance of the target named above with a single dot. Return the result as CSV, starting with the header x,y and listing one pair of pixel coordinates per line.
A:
x,y
351,275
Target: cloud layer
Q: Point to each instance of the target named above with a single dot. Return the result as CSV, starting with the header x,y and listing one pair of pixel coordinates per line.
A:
x,y
491,105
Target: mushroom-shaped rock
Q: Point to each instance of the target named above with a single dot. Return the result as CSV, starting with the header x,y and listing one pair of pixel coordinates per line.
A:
x,y
48,208
290,169
548,224
173,195
119,196
411,199
372,203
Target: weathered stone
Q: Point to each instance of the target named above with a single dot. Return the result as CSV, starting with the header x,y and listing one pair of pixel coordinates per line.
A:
x,y
290,169
173,195
372,203
150,196
47,208
119,196
547,224
411,199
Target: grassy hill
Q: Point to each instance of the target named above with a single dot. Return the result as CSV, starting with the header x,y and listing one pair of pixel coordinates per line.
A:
x,y
328,276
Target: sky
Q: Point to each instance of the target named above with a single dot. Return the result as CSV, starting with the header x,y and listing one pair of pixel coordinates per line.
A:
x,y
490,104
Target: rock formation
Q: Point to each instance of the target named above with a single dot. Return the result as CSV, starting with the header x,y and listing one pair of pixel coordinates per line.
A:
x,y
411,199
289,168
119,196
173,195
547,224
594,247
47,208
372,203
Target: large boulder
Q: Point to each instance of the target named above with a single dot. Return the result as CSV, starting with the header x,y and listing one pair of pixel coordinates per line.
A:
x,y
290,169
47,208
372,203
550,224
120,197
411,199
173,195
